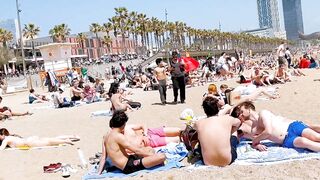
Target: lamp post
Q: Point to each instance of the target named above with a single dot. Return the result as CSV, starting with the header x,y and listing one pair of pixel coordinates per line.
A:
x,y
21,42
167,43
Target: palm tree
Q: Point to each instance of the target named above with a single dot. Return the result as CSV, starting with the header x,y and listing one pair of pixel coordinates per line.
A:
x,y
122,18
5,53
107,41
133,24
59,32
81,38
30,31
96,28
115,25
5,37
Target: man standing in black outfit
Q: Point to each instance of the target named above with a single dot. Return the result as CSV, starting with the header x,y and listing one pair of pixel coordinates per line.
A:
x,y
178,78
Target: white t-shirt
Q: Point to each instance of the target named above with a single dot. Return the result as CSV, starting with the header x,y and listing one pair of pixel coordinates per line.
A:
x,y
56,96
288,53
281,50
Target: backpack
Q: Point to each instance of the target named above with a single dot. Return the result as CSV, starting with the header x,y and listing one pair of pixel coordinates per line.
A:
x,y
189,136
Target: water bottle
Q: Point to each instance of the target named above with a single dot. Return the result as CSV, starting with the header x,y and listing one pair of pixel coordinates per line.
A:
x,y
82,159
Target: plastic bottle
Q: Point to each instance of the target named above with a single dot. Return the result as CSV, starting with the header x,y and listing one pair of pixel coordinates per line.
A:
x,y
82,159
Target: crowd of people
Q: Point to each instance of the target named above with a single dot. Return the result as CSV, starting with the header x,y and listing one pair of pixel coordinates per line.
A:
x,y
230,112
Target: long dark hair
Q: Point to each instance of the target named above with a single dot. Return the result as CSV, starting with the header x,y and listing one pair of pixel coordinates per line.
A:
x,y
5,132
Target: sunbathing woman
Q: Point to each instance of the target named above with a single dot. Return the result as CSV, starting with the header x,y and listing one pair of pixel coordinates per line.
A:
x,y
14,141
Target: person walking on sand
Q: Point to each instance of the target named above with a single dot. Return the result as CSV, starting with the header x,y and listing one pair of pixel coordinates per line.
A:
x,y
178,78
161,77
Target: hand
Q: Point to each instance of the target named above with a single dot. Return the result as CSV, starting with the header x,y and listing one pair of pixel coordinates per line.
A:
x,y
260,147
255,142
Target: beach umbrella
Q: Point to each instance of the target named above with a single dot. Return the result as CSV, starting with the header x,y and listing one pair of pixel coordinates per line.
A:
x,y
190,63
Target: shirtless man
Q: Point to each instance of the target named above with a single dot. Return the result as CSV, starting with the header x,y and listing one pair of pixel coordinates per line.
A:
x,y
115,146
281,75
160,74
117,101
218,145
76,92
281,130
151,137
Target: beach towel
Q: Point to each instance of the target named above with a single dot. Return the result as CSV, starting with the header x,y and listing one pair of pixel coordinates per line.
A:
x,y
118,174
275,154
32,148
175,152
101,113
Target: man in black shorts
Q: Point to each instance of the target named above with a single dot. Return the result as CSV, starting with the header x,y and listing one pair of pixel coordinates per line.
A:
x,y
123,153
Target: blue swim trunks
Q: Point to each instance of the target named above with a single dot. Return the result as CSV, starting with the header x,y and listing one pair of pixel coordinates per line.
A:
x,y
294,130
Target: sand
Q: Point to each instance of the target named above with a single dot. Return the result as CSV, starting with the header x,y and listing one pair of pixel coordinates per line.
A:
x,y
299,100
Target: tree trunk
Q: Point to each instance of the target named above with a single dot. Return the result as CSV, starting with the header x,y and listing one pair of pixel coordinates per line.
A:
x,y
34,54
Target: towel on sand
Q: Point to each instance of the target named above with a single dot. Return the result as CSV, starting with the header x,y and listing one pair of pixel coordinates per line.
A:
x,y
101,113
174,152
275,154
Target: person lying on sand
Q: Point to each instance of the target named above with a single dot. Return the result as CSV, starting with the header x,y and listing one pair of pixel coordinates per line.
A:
x,y
115,146
153,137
281,130
6,112
215,134
14,141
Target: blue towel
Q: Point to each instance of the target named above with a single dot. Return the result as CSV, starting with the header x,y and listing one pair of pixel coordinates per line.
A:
x,y
174,151
118,174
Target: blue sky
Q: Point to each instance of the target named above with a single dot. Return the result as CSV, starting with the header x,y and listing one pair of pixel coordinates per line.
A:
x,y
234,15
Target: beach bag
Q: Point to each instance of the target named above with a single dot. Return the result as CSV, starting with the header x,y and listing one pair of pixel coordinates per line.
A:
x,y
189,136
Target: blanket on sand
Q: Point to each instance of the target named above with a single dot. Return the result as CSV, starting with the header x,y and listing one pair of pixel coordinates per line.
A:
x,y
174,153
274,155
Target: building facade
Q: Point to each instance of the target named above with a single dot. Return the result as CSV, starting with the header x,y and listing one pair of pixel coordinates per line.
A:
x,y
268,14
91,47
10,25
262,32
293,21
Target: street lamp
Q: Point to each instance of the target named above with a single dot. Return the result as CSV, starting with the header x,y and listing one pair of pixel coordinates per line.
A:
x,y
21,42
167,43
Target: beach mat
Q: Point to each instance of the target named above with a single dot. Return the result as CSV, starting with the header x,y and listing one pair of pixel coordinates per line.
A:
x,y
174,152
275,154
106,113
118,174
24,148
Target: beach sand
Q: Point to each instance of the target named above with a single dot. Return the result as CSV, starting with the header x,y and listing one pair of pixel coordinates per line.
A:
x,y
299,100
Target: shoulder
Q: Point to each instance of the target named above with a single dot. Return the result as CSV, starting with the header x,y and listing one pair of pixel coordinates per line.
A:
x,y
264,114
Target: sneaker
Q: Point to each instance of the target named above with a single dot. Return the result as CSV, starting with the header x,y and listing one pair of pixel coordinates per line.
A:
x,y
182,102
65,172
52,168
175,102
